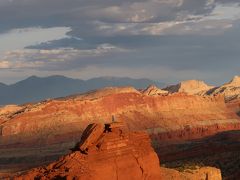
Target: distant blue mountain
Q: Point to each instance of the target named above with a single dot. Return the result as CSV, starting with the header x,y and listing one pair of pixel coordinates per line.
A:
x,y
35,88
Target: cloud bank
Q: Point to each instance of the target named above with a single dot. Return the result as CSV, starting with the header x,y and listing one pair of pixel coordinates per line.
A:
x,y
182,38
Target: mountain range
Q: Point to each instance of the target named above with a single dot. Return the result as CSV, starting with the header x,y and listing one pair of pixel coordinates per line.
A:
x,y
35,88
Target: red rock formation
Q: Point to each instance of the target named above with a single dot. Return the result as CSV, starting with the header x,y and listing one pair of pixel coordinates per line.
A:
x,y
107,152
9,109
234,105
158,114
54,125
110,153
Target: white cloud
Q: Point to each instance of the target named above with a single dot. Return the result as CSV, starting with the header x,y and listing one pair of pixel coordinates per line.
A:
x,y
196,25
227,11
4,64
34,58
20,38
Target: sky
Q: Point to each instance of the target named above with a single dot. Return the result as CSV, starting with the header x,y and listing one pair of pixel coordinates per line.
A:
x,y
163,40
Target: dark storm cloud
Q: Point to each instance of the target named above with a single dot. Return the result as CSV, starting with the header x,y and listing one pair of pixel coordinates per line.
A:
x,y
176,34
75,13
195,52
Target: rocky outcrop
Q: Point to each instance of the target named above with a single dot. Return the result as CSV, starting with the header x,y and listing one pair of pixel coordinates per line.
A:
x,y
9,110
152,90
111,152
189,87
105,152
230,90
234,82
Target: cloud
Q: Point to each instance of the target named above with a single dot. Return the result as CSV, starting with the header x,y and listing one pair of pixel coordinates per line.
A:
x,y
55,58
74,14
4,64
187,36
19,38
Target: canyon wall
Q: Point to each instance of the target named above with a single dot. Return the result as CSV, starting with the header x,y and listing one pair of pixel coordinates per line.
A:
x,y
54,126
164,112
185,116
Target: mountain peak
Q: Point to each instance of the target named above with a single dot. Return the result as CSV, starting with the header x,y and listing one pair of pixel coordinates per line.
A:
x,y
235,81
189,86
153,90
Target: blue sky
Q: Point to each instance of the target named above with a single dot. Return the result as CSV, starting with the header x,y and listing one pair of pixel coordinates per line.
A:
x,y
164,40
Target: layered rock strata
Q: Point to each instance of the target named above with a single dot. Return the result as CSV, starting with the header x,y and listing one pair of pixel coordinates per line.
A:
x,y
40,133
108,152
111,152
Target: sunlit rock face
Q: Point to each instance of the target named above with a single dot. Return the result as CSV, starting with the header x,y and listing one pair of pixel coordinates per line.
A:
x,y
189,87
105,152
230,90
62,119
56,120
152,90
112,152
54,126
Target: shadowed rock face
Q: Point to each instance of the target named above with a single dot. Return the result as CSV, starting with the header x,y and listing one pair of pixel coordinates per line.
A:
x,y
234,105
107,153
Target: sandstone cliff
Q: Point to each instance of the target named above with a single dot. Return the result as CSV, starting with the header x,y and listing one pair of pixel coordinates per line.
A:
x,y
52,126
52,119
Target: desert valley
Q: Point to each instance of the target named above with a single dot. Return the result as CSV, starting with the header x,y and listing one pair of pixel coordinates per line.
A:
x,y
191,128
119,90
